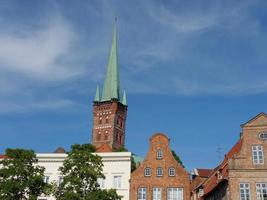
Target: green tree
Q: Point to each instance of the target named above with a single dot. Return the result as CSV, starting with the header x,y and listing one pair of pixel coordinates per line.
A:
x,y
80,172
177,158
20,177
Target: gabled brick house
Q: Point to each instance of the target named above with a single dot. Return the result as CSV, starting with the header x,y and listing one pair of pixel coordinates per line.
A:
x,y
243,172
160,176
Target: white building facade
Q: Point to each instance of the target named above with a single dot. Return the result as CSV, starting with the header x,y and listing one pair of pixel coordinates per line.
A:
x,y
117,171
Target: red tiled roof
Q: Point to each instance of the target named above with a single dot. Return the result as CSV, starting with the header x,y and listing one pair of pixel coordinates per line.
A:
x,y
204,172
212,181
104,148
3,156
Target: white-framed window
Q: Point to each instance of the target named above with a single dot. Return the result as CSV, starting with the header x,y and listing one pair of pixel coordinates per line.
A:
x,y
171,171
159,154
46,179
257,154
244,189
101,182
156,193
175,194
117,182
159,171
261,189
147,171
141,193
263,136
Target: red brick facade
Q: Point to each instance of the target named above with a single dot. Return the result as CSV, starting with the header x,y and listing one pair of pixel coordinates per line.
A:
x,y
243,172
159,159
109,119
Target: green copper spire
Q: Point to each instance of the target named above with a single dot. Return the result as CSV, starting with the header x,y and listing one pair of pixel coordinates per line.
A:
x,y
111,89
97,94
124,99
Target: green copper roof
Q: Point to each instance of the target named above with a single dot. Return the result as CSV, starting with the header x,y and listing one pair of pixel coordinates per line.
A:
x,y
111,89
124,99
97,94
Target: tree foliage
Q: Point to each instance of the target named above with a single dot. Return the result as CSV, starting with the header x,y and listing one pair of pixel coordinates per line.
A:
x,y
20,177
80,172
177,158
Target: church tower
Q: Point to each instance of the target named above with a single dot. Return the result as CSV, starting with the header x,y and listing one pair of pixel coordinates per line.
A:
x,y
110,109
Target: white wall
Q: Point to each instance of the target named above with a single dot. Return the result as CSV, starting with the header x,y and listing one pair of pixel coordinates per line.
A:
x,y
115,164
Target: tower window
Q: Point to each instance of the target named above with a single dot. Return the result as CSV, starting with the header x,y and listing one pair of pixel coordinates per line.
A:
x,y
107,119
100,120
257,154
159,154
159,171
98,137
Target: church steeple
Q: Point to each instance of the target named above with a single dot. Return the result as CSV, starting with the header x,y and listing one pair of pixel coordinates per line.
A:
x,y
110,111
111,89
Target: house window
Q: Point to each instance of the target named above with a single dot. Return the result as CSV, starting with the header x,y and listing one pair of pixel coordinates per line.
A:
x,y
46,179
159,154
261,191
156,194
257,154
171,171
263,136
159,171
147,171
244,190
141,194
101,183
175,194
117,182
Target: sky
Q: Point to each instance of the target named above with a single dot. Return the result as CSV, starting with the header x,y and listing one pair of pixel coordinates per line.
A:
x,y
194,70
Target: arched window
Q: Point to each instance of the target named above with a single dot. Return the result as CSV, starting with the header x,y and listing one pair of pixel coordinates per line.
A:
x,y
106,135
100,120
98,137
107,119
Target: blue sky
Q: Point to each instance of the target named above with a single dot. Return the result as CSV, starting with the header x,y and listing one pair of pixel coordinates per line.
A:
x,y
194,70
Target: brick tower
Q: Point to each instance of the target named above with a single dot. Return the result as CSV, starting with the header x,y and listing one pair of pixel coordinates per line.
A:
x,y
110,110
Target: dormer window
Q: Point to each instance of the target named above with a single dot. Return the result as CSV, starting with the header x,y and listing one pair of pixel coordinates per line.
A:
x,y
257,154
200,193
159,154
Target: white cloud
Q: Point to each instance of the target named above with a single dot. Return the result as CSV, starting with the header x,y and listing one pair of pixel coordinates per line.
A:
x,y
7,107
37,53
